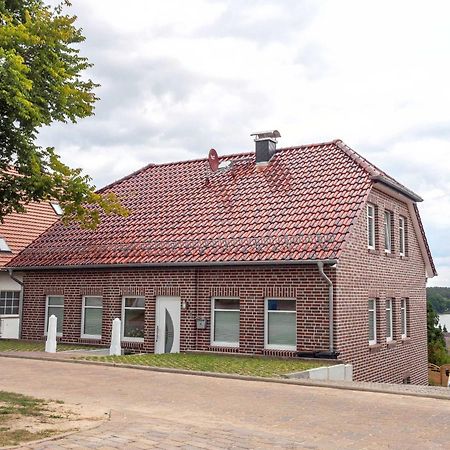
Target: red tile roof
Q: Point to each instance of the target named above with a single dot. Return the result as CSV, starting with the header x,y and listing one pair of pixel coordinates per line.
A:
x,y
300,207
19,230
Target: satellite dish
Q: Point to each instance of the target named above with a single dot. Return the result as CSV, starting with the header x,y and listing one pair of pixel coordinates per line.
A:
x,y
213,159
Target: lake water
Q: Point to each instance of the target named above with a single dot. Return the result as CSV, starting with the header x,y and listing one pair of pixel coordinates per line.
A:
x,y
444,319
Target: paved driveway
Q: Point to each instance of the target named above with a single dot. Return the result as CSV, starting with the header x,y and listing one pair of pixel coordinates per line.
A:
x,y
160,410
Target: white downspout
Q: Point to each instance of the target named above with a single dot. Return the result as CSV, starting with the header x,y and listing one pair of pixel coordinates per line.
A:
x,y
330,305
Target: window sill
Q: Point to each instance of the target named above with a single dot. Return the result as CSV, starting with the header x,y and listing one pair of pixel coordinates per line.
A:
x,y
373,251
281,347
390,344
375,347
125,339
91,337
405,340
224,344
389,254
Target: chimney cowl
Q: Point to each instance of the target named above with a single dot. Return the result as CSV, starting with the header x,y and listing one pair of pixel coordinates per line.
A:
x,y
265,145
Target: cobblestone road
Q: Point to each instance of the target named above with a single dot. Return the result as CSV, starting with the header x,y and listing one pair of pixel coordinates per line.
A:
x,y
168,411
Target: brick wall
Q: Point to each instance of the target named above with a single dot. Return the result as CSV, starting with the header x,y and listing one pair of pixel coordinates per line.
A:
x,y
251,284
364,274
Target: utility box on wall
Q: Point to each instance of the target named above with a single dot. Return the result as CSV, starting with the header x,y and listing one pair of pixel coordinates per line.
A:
x,y
201,323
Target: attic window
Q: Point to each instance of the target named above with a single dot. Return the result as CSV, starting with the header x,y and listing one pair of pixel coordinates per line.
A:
x,y
4,247
58,210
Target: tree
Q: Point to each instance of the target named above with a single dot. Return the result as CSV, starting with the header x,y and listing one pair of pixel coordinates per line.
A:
x,y
437,350
41,81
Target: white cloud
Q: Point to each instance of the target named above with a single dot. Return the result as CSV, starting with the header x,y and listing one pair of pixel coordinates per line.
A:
x,y
180,77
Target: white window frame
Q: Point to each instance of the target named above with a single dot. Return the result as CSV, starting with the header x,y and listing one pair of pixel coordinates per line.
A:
x,y
402,235
11,315
370,218
374,340
387,231
130,339
213,310
404,318
391,322
83,312
266,324
53,306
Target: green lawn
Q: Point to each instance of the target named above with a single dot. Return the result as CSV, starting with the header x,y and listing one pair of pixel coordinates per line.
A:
x,y
260,367
27,346
15,407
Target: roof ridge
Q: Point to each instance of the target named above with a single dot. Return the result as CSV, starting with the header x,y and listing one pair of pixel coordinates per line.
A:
x,y
188,161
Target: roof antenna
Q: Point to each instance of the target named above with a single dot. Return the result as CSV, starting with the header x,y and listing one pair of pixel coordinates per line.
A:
x,y
214,163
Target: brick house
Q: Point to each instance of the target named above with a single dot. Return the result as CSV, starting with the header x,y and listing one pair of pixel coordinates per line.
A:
x,y
307,250
16,232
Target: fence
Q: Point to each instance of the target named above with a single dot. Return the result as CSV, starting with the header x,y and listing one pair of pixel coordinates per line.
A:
x,y
439,376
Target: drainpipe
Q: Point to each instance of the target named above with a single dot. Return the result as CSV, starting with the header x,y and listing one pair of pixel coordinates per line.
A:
x,y
330,306
11,275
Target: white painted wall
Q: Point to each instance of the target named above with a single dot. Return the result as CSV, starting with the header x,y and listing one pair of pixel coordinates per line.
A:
x,y
7,284
9,325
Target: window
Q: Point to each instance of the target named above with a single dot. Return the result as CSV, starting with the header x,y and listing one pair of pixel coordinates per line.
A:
x,y
389,322
387,232
57,208
55,307
402,235
91,322
133,318
280,324
372,321
9,303
225,322
4,247
403,318
371,227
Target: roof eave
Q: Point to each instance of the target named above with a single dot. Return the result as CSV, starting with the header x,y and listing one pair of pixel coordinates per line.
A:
x,y
402,190
178,264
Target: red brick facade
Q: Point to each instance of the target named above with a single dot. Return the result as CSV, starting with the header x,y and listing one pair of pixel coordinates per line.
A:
x,y
364,274
359,275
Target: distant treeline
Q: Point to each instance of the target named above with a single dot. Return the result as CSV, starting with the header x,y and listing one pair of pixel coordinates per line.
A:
x,y
439,298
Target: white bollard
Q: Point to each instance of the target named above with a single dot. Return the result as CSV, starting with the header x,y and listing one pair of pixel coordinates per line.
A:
x,y
50,343
115,349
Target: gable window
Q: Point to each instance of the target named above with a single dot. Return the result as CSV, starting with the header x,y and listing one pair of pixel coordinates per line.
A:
x,y
133,318
280,324
389,321
403,318
402,235
9,303
91,321
372,321
387,231
55,307
225,322
371,226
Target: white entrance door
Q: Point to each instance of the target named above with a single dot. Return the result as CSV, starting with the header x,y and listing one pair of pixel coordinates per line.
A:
x,y
167,334
9,327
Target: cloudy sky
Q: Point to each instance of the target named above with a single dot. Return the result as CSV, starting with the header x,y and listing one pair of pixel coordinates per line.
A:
x,y
178,78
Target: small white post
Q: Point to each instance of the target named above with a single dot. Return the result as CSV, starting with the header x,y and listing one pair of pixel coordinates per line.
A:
x,y
115,349
50,343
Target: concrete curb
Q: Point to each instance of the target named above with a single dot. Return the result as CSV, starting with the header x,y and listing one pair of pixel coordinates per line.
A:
x,y
298,382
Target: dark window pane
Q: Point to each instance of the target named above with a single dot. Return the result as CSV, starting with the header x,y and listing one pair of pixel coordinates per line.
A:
x,y
134,302
134,323
226,303
281,305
